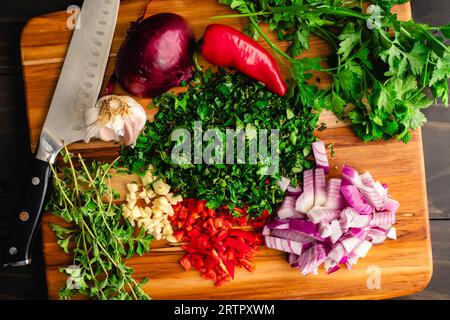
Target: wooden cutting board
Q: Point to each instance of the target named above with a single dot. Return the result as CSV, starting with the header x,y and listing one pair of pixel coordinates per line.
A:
x,y
404,266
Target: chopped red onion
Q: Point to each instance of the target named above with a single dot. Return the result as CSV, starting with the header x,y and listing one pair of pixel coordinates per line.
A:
x,y
287,209
283,245
381,219
355,199
320,188
320,154
297,191
306,200
284,183
332,224
334,198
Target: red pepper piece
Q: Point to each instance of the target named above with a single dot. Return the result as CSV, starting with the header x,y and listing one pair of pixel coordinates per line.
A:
x,y
220,282
227,47
179,234
210,212
185,263
230,255
230,267
221,236
196,206
238,245
247,264
182,215
193,233
211,262
246,235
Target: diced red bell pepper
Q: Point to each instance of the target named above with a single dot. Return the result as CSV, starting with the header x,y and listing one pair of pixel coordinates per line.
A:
x,y
230,254
185,263
220,282
213,247
194,233
211,262
196,206
236,244
230,267
179,234
249,236
221,236
247,264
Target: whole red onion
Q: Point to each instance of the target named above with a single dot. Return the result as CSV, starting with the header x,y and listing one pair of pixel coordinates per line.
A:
x,y
156,56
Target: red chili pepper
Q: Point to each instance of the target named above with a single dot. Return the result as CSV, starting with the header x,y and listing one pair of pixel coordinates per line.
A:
x,y
227,47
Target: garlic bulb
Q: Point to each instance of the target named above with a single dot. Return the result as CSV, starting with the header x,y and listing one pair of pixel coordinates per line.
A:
x,y
115,118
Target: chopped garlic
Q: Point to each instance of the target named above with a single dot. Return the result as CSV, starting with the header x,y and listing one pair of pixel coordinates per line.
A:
x,y
149,178
143,194
151,194
132,188
154,216
131,204
161,188
174,199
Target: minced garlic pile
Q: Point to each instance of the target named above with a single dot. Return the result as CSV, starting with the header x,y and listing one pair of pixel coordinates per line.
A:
x,y
154,216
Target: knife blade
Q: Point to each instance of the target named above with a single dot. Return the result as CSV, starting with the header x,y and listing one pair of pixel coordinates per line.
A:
x,y
77,90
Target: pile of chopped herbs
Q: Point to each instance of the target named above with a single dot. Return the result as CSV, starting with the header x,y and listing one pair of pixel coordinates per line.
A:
x,y
381,67
226,100
95,234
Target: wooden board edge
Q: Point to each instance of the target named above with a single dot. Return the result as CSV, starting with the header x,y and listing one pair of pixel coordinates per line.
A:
x,y
427,213
429,267
29,23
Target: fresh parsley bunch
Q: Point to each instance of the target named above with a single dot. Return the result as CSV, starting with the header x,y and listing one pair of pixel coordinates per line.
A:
x,y
382,67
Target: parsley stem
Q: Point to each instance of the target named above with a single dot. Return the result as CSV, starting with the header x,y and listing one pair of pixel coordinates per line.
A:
x,y
241,15
196,64
270,42
301,9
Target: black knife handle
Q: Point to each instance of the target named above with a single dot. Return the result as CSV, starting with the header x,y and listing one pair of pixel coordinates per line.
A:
x,y
26,218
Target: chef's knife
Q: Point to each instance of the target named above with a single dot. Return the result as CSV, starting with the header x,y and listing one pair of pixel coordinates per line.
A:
x,y
77,90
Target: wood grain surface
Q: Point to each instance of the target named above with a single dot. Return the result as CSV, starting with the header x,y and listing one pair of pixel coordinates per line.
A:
x,y
405,264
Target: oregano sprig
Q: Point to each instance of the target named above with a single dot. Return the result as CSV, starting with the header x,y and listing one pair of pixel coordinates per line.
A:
x,y
96,235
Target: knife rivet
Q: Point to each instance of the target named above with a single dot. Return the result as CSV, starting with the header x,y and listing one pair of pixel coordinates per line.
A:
x,y
35,181
13,251
24,216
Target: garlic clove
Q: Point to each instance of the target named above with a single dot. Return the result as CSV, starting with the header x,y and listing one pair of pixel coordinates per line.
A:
x,y
161,188
129,132
132,188
143,194
107,134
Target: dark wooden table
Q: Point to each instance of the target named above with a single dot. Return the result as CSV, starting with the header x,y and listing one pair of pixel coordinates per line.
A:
x,y
29,282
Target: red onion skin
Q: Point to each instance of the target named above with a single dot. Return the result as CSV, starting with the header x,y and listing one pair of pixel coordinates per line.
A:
x,y
156,56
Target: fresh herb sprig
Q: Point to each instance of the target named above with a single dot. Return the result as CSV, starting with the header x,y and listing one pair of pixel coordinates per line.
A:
x,y
226,100
383,72
97,236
